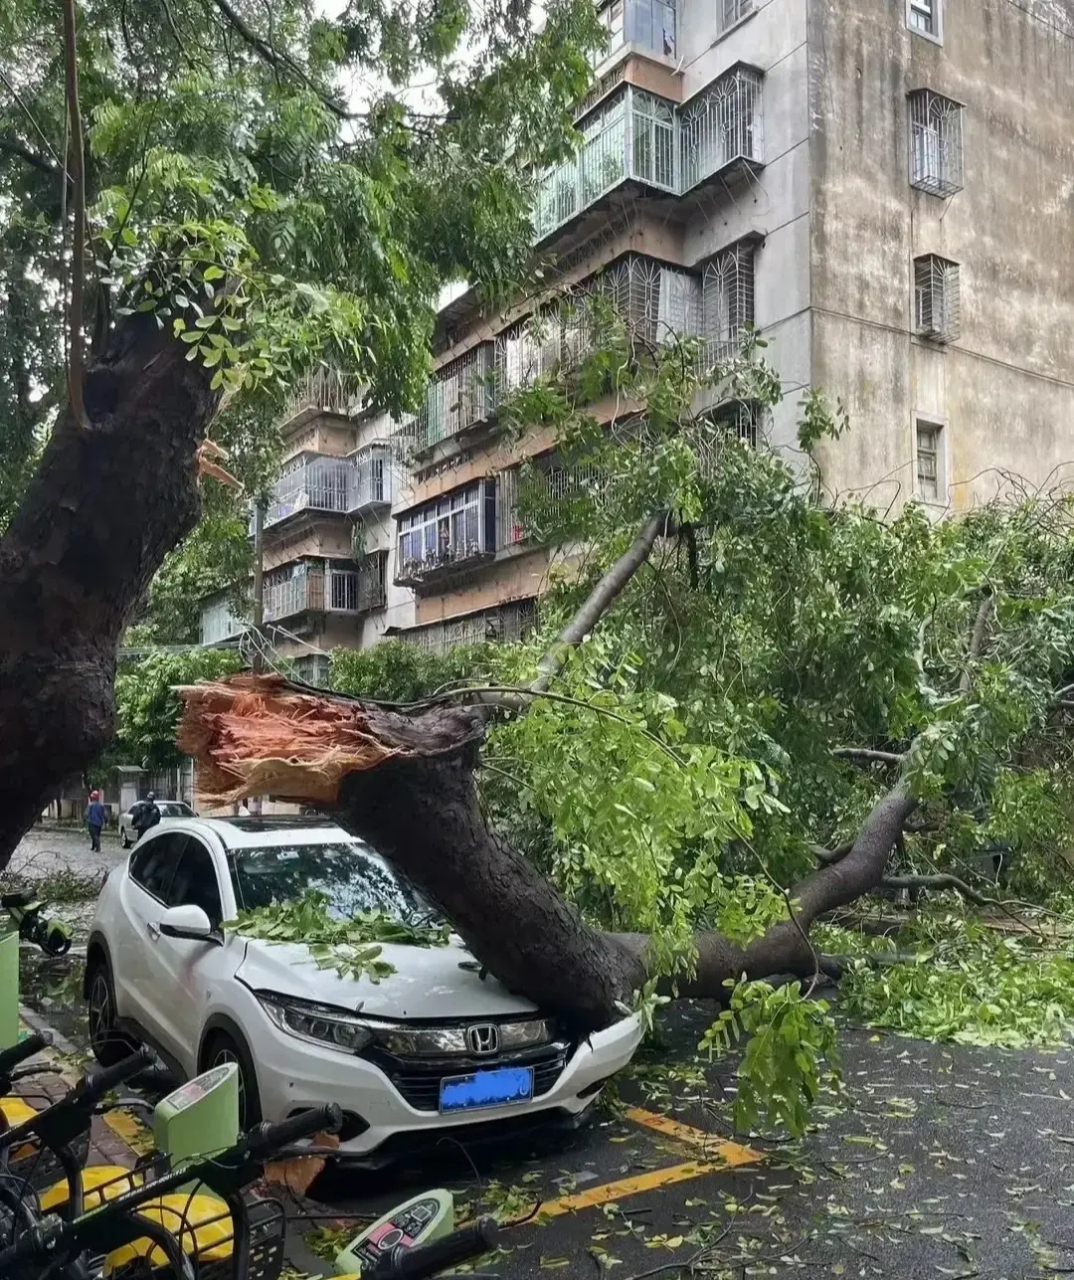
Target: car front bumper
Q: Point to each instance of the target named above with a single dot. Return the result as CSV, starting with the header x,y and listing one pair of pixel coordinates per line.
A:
x,y
293,1074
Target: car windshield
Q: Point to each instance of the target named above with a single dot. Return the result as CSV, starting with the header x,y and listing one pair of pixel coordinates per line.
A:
x,y
176,809
351,875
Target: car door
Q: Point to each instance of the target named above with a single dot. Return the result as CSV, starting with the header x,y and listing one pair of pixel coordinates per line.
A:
x,y
184,972
143,897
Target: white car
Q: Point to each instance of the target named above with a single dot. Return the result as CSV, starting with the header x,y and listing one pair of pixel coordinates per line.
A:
x,y
437,1047
168,809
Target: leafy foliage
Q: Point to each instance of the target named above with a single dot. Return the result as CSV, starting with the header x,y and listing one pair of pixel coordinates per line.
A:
x,y
148,708
353,947
788,1038
394,671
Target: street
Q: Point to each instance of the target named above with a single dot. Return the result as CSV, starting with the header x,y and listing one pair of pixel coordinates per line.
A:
x,y
46,850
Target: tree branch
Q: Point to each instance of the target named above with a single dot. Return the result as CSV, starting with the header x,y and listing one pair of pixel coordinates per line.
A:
x,y
78,256
939,881
597,604
24,153
978,637
278,59
865,753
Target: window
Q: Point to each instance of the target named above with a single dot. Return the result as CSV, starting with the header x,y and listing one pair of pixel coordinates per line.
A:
x,y
930,487
728,12
936,298
722,125
727,301
153,862
925,18
935,143
455,528
195,883
742,420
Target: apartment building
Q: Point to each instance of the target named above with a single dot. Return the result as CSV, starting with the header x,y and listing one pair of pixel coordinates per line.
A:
x,y
885,188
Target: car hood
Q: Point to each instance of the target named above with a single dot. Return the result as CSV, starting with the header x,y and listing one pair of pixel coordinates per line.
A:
x,y
427,983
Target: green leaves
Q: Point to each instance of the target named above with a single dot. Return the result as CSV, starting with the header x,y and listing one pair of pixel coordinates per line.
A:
x,y
352,948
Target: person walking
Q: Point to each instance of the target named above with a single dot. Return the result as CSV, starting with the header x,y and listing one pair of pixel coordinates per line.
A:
x,y
96,817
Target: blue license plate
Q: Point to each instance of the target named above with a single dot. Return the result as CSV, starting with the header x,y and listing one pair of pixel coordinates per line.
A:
x,y
498,1088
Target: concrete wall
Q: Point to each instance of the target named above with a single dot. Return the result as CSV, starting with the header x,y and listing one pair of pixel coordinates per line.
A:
x,y
1004,392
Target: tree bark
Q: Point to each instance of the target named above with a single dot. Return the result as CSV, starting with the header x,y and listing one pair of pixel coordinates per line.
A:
x,y
105,506
405,783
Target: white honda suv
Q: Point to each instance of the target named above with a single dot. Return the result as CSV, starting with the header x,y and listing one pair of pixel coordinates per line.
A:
x,y
437,1045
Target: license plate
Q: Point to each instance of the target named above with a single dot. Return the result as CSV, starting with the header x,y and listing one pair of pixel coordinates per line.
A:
x,y
501,1087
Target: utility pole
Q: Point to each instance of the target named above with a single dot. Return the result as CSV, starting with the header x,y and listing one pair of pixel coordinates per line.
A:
x,y
259,607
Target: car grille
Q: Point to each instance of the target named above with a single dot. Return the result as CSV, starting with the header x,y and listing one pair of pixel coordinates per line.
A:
x,y
419,1081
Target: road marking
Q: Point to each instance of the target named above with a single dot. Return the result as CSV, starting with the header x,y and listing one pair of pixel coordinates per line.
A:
x,y
609,1192
714,1148
135,1134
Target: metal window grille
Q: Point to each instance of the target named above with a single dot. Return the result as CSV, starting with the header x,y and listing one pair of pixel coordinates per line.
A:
x,y
928,461
293,589
530,350
372,479
312,668
328,390
452,529
924,16
649,24
743,420
935,143
727,301
937,311
722,126
372,578
510,531
460,395
219,622
508,623
728,12
313,483
630,135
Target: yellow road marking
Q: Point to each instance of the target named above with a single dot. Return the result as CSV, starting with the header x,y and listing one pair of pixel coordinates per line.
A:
x,y
715,1149
133,1132
612,1191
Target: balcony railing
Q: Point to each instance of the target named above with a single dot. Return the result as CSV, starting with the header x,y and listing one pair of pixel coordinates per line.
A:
x,y
647,24
456,530
315,484
219,622
310,587
371,481
637,136
461,395
328,391
632,136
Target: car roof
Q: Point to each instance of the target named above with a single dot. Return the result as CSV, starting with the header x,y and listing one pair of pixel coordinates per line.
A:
x,y
249,832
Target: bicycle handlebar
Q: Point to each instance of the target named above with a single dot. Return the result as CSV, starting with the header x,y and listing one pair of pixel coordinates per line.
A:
x,y
425,1260
268,1138
95,1086
18,1053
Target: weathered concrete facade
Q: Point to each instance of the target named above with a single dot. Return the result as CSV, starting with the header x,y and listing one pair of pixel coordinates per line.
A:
x,y
1003,391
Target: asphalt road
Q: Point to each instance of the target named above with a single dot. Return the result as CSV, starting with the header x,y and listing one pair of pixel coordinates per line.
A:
x,y
43,851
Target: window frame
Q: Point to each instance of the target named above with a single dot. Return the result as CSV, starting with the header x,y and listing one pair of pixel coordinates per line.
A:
x,y
936,6
928,423
195,844
146,847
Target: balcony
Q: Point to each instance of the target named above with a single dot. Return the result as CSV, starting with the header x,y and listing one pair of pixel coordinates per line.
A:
x,y
219,623
318,586
314,483
461,396
646,24
630,137
636,136
371,481
534,500
441,538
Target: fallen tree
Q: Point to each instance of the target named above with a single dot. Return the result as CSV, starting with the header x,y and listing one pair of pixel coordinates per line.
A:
x,y
405,783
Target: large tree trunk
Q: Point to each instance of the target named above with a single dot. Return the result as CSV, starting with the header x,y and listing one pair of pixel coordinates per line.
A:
x,y
406,784
106,505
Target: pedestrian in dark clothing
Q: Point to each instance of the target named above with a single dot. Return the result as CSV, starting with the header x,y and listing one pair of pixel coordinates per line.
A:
x,y
96,817
145,814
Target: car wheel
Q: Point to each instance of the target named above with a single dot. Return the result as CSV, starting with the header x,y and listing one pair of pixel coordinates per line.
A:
x,y
108,1043
220,1049
126,840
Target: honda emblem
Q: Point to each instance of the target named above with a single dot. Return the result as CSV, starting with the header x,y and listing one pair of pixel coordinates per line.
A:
x,y
483,1038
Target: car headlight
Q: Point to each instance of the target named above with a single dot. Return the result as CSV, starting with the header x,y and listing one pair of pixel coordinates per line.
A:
x,y
319,1023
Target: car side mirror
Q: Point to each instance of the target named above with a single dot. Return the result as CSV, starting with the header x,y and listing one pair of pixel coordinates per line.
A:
x,y
186,921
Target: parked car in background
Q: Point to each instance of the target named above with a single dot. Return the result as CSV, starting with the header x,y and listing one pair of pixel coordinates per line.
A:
x,y
168,809
438,1047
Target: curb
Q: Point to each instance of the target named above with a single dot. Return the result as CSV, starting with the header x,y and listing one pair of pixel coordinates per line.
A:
x,y
59,1041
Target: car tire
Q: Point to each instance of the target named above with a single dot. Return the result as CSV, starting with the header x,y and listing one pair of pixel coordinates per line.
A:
x,y
109,1044
220,1048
